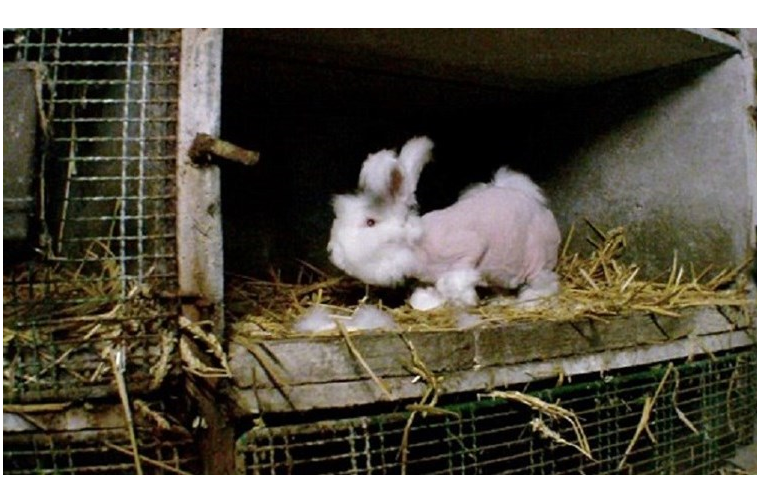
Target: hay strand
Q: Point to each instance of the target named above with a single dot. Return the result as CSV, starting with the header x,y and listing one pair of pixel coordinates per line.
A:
x,y
145,459
427,403
646,413
80,311
38,408
538,425
161,368
142,409
681,415
432,410
196,365
117,360
554,412
599,286
359,357
193,362
269,367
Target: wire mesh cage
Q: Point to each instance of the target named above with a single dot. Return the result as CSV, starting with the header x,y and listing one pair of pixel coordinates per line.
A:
x,y
686,416
95,440
96,452
105,270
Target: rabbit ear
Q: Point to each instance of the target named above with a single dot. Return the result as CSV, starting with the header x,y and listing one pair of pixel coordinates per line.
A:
x,y
376,176
395,178
413,157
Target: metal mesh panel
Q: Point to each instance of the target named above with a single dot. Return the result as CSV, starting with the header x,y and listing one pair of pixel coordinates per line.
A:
x,y
704,410
92,452
105,212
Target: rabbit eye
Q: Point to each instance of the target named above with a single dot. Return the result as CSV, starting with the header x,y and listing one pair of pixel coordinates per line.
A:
x,y
370,222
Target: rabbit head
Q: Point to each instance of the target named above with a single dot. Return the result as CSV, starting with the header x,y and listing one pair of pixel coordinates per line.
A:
x,y
376,231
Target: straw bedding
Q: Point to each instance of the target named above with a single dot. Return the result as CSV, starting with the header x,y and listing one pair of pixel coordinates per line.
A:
x,y
599,286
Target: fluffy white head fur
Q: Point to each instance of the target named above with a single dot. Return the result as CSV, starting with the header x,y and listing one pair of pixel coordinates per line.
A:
x,y
373,241
375,234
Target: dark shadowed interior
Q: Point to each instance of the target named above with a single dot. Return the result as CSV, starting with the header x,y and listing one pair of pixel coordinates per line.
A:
x,y
626,140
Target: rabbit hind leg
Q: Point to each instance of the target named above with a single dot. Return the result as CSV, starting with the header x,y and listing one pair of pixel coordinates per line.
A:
x,y
543,285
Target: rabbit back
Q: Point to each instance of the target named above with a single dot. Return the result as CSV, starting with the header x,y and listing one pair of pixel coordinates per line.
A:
x,y
505,232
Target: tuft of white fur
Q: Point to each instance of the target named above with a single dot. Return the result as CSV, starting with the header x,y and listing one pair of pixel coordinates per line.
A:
x,y
459,286
376,231
426,298
466,320
376,173
316,319
351,207
13,422
507,178
537,290
365,317
369,317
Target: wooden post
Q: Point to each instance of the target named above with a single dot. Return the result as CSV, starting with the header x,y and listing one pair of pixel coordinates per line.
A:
x,y
200,239
199,233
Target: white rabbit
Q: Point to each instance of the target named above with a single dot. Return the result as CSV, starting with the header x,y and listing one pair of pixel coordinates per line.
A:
x,y
499,233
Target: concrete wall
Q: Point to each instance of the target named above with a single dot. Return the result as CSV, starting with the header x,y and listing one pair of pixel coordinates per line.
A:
x,y
749,35
666,155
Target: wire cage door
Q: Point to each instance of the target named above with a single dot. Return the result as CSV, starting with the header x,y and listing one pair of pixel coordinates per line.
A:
x,y
99,274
